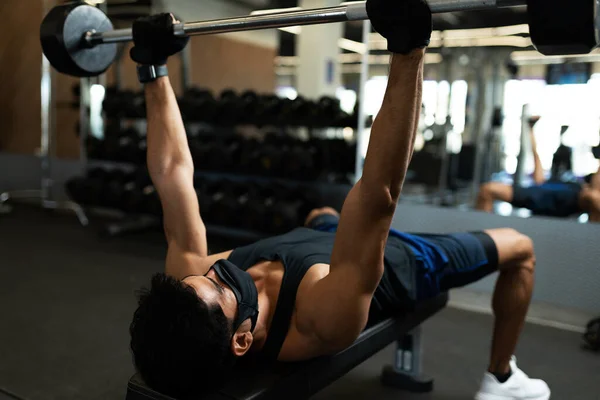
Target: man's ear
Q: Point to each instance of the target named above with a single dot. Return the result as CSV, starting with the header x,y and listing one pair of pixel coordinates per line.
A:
x,y
242,339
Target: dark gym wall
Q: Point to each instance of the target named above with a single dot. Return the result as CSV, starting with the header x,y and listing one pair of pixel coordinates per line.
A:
x,y
20,74
220,63
217,63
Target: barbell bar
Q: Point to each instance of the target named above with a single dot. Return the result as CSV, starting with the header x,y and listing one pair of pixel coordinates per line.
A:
x,y
353,11
79,39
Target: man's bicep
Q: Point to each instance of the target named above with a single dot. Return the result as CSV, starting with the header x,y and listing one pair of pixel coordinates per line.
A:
x,y
181,212
336,311
361,236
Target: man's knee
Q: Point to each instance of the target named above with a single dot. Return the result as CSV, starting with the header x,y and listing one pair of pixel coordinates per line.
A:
x,y
522,251
486,191
591,200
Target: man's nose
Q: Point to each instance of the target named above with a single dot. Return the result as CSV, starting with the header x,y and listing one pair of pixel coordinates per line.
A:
x,y
211,273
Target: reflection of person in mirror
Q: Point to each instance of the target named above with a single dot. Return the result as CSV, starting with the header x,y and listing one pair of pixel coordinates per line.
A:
x,y
554,197
562,161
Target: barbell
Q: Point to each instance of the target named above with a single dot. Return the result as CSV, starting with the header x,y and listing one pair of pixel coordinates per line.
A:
x,y
79,40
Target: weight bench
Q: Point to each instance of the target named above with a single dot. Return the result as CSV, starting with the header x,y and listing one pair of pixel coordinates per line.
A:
x,y
302,380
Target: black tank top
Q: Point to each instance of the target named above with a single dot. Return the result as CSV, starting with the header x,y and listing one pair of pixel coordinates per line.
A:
x,y
302,248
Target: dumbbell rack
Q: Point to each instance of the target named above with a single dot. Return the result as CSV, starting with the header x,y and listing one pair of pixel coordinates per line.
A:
x,y
136,222
133,223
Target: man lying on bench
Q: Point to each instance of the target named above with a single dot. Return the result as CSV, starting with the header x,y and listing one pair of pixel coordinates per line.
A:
x,y
312,291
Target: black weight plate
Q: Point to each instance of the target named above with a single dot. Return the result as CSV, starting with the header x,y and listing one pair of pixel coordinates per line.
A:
x,y
562,28
61,36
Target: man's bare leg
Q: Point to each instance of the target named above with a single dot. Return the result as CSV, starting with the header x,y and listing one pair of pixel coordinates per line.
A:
x,y
490,192
589,201
512,294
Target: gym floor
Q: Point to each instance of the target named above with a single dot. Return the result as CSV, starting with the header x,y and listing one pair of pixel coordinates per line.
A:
x,y
67,296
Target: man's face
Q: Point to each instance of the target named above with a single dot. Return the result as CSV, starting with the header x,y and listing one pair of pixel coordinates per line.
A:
x,y
212,290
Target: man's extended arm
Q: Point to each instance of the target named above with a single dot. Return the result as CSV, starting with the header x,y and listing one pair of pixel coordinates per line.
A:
x,y
538,170
338,307
172,170
339,303
169,160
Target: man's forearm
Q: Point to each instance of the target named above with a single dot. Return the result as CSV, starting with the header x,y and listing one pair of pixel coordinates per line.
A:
x,y
167,141
538,169
394,130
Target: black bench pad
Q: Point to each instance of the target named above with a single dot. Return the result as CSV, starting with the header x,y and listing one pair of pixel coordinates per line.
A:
x,y
301,380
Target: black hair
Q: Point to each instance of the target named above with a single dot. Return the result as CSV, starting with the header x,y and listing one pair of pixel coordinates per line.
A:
x,y
180,344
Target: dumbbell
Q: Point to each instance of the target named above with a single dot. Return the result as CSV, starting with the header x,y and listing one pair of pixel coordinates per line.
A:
x,y
248,162
288,208
328,109
285,116
113,188
222,155
200,148
244,198
342,120
113,105
221,198
332,115
255,158
249,104
136,107
303,112
229,108
298,161
254,206
269,156
270,111
138,195
349,166
198,105
328,154
343,155
129,103
201,185
151,202
228,203
127,98
112,134
130,146
133,197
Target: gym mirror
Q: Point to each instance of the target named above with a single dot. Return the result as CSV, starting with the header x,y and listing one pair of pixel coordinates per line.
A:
x,y
484,112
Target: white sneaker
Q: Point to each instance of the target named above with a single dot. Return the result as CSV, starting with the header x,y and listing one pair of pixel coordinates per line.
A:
x,y
518,387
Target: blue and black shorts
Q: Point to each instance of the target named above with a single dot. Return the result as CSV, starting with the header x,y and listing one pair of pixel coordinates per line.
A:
x,y
549,199
446,261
